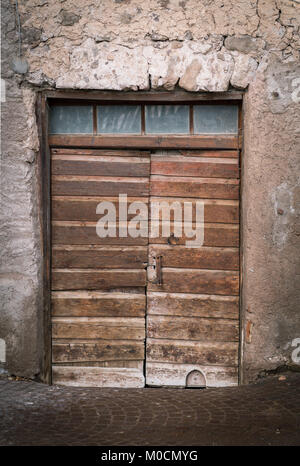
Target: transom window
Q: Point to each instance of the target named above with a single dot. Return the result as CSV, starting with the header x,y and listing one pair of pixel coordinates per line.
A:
x,y
137,119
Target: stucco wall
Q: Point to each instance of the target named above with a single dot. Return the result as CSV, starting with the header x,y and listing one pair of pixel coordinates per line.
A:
x,y
195,45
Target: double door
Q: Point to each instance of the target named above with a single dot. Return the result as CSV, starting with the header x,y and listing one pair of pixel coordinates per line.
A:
x,y
136,298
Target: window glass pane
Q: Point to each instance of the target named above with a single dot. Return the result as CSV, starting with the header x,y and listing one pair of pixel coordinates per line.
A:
x,y
215,119
119,119
71,119
167,119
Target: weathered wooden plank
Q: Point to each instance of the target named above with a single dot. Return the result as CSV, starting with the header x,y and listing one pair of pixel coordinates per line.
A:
x,y
93,256
97,351
85,233
192,352
215,235
136,364
99,185
90,279
216,141
192,305
195,258
192,328
95,165
175,375
100,152
98,377
230,154
198,281
105,328
147,96
180,186
205,167
215,210
84,207
97,304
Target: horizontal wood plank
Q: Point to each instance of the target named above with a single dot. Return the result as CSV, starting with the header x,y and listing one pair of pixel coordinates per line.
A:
x,y
214,141
84,207
98,185
198,281
180,186
204,167
145,96
175,375
98,377
97,304
192,328
198,258
215,235
85,233
104,328
192,352
97,351
93,165
100,152
192,305
215,210
89,279
93,256
227,154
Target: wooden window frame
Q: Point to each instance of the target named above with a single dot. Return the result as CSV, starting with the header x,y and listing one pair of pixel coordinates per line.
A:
x,y
190,141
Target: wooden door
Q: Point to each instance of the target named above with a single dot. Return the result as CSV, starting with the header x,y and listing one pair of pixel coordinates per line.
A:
x,y
100,291
193,314
98,283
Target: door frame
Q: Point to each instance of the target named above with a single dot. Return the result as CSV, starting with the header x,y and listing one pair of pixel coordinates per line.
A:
x,y
46,98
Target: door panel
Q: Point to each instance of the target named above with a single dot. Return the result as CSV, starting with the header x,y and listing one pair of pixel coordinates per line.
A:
x,y
98,284
192,334
104,305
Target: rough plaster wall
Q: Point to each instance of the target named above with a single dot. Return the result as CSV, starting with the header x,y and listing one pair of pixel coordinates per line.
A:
x,y
160,44
20,281
271,228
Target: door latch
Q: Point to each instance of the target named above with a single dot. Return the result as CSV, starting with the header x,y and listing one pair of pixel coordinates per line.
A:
x,y
158,261
154,271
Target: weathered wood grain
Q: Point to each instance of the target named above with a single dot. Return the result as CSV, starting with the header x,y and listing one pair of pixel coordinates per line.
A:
x,y
84,207
92,256
198,281
97,304
192,328
215,210
80,185
104,328
219,141
100,152
175,375
192,305
210,153
215,235
192,352
204,167
197,258
86,352
85,233
98,377
96,165
180,186
90,279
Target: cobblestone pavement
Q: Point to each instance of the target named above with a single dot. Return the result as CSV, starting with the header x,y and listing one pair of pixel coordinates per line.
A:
x,y
266,413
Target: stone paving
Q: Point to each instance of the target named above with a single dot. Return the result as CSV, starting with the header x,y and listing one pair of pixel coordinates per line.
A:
x,y
266,413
